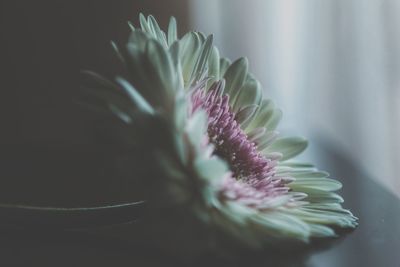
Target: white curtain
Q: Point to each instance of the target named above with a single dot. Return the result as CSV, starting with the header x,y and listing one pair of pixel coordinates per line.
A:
x,y
333,66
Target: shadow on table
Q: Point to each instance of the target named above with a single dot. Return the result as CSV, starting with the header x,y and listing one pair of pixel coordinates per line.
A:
x,y
373,243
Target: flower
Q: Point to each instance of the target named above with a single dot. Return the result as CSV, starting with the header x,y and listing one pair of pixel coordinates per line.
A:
x,y
218,176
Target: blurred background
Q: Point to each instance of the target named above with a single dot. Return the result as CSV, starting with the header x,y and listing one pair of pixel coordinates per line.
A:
x,y
332,66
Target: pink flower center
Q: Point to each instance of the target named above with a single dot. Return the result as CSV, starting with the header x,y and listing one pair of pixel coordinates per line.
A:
x,y
253,174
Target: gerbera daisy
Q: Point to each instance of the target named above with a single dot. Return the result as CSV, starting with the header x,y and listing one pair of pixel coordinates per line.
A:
x,y
219,176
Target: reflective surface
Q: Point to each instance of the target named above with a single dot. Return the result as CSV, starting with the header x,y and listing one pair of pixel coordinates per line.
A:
x,y
375,242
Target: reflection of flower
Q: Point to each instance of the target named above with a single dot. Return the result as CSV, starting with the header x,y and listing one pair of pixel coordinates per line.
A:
x,y
212,137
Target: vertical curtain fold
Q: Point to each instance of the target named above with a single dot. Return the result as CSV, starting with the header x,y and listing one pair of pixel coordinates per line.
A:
x,y
333,66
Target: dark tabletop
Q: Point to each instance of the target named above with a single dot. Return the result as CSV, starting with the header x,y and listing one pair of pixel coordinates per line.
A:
x,y
375,242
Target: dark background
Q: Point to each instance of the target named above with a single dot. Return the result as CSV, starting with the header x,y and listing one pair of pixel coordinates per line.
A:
x,y
52,151
56,153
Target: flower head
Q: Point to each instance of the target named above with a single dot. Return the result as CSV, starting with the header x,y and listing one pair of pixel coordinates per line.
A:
x,y
223,175
253,180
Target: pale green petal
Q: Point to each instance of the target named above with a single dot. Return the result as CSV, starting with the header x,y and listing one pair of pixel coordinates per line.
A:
x,y
276,202
281,223
120,114
266,140
332,207
288,146
212,169
323,184
175,51
138,39
157,33
297,165
223,66
213,66
256,133
180,113
245,113
190,45
117,52
266,116
323,217
201,63
134,95
196,128
181,148
274,120
143,24
235,76
318,230
172,31
163,65
131,27
321,196
249,94
308,174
